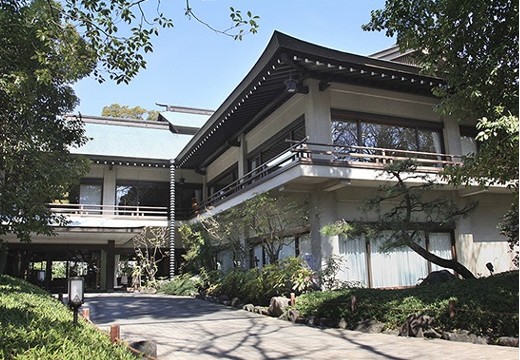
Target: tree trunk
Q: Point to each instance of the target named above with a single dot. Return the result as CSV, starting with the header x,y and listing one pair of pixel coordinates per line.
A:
x,y
450,264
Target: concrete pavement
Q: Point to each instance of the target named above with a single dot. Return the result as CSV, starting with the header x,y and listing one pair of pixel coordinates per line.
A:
x,y
186,328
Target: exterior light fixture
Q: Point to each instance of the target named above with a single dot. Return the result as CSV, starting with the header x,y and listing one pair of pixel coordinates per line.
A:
x,y
76,295
291,85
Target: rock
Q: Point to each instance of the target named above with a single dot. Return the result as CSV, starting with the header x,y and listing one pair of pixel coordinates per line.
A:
x,y
278,305
342,323
369,326
147,347
323,322
463,336
415,325
294,316
310,320
507,341
223,298
235,302
226,302
436,277
248,307
262,310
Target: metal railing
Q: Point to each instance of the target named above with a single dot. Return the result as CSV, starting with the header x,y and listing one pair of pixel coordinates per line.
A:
x,y
109,210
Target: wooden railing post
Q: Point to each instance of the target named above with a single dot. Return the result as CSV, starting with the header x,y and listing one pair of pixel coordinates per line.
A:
x,y
353,303
452,308
115,333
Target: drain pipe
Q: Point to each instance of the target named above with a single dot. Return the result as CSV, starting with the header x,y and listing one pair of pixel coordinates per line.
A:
x,y
172,218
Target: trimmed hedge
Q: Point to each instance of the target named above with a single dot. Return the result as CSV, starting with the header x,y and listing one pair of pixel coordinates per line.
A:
x,y
33,325
486,306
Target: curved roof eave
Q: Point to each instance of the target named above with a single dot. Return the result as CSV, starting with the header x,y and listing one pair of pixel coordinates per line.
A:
x,y
295,51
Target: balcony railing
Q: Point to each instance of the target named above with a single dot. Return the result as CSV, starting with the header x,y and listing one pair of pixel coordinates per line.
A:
x,y
362,156
305,152
109,210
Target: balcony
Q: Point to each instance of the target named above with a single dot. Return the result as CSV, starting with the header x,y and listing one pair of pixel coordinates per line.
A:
x,y
337,156
110,211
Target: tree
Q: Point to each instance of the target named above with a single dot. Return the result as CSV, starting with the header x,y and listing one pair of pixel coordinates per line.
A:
x,y
149,246
46,46
36,69
410,216
126,112
473,46
270,218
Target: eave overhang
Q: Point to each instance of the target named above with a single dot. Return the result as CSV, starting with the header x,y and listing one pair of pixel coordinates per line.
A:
x,y
263,90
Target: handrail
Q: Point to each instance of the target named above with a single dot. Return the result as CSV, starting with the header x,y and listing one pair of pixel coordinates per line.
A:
x,y
117,210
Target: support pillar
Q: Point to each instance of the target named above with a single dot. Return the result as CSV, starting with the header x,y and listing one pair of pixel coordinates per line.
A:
x,y
110,265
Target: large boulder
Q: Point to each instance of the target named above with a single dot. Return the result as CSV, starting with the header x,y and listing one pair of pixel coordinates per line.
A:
x,y
369,326
278,305
436,277
416,325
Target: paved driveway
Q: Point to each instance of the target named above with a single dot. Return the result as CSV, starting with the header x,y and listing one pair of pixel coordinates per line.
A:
x,y
186,328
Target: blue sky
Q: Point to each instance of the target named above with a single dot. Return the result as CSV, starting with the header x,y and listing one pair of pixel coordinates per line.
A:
x,y
193,66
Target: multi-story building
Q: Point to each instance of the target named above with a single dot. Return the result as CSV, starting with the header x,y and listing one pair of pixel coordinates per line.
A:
x,y
313,123
319,125
126,190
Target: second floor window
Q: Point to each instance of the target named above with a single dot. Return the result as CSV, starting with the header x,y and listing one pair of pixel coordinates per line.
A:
x,y
386,136
132,193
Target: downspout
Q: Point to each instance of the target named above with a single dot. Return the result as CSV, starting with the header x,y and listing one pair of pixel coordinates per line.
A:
x,y
172,218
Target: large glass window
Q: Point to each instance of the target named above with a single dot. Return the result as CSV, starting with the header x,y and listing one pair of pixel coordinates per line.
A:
x,y
384,135
276,145
130,193
89,192
399,267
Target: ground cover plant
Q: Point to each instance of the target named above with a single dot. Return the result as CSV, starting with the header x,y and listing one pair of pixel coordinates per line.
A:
x,y
181,285
485,306
33,325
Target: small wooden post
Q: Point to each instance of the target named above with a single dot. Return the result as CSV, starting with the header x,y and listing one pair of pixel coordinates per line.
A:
x,y
353,301
114,332
86,313
452,308
293,299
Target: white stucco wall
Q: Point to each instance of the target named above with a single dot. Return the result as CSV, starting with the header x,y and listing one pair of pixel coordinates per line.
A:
x,y
478,240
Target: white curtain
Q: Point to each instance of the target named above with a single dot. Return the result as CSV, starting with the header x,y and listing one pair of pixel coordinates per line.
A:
x,y
354,254
400,267
440,245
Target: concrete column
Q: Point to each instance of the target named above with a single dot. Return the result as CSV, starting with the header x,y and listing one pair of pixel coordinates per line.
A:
x,y
204,188
452,137
322,212
317,113
109,187
110,265
242,157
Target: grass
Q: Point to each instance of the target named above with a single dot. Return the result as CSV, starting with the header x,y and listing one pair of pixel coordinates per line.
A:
x,y
33,325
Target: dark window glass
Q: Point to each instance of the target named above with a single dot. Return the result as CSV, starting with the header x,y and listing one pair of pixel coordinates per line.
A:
x,y
142,194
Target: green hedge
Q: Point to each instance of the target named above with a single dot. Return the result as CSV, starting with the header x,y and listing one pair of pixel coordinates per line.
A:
x,y
486,306
33,325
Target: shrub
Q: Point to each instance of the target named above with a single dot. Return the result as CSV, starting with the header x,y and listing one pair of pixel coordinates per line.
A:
x,y
182,285
33,325
487,306
258,286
